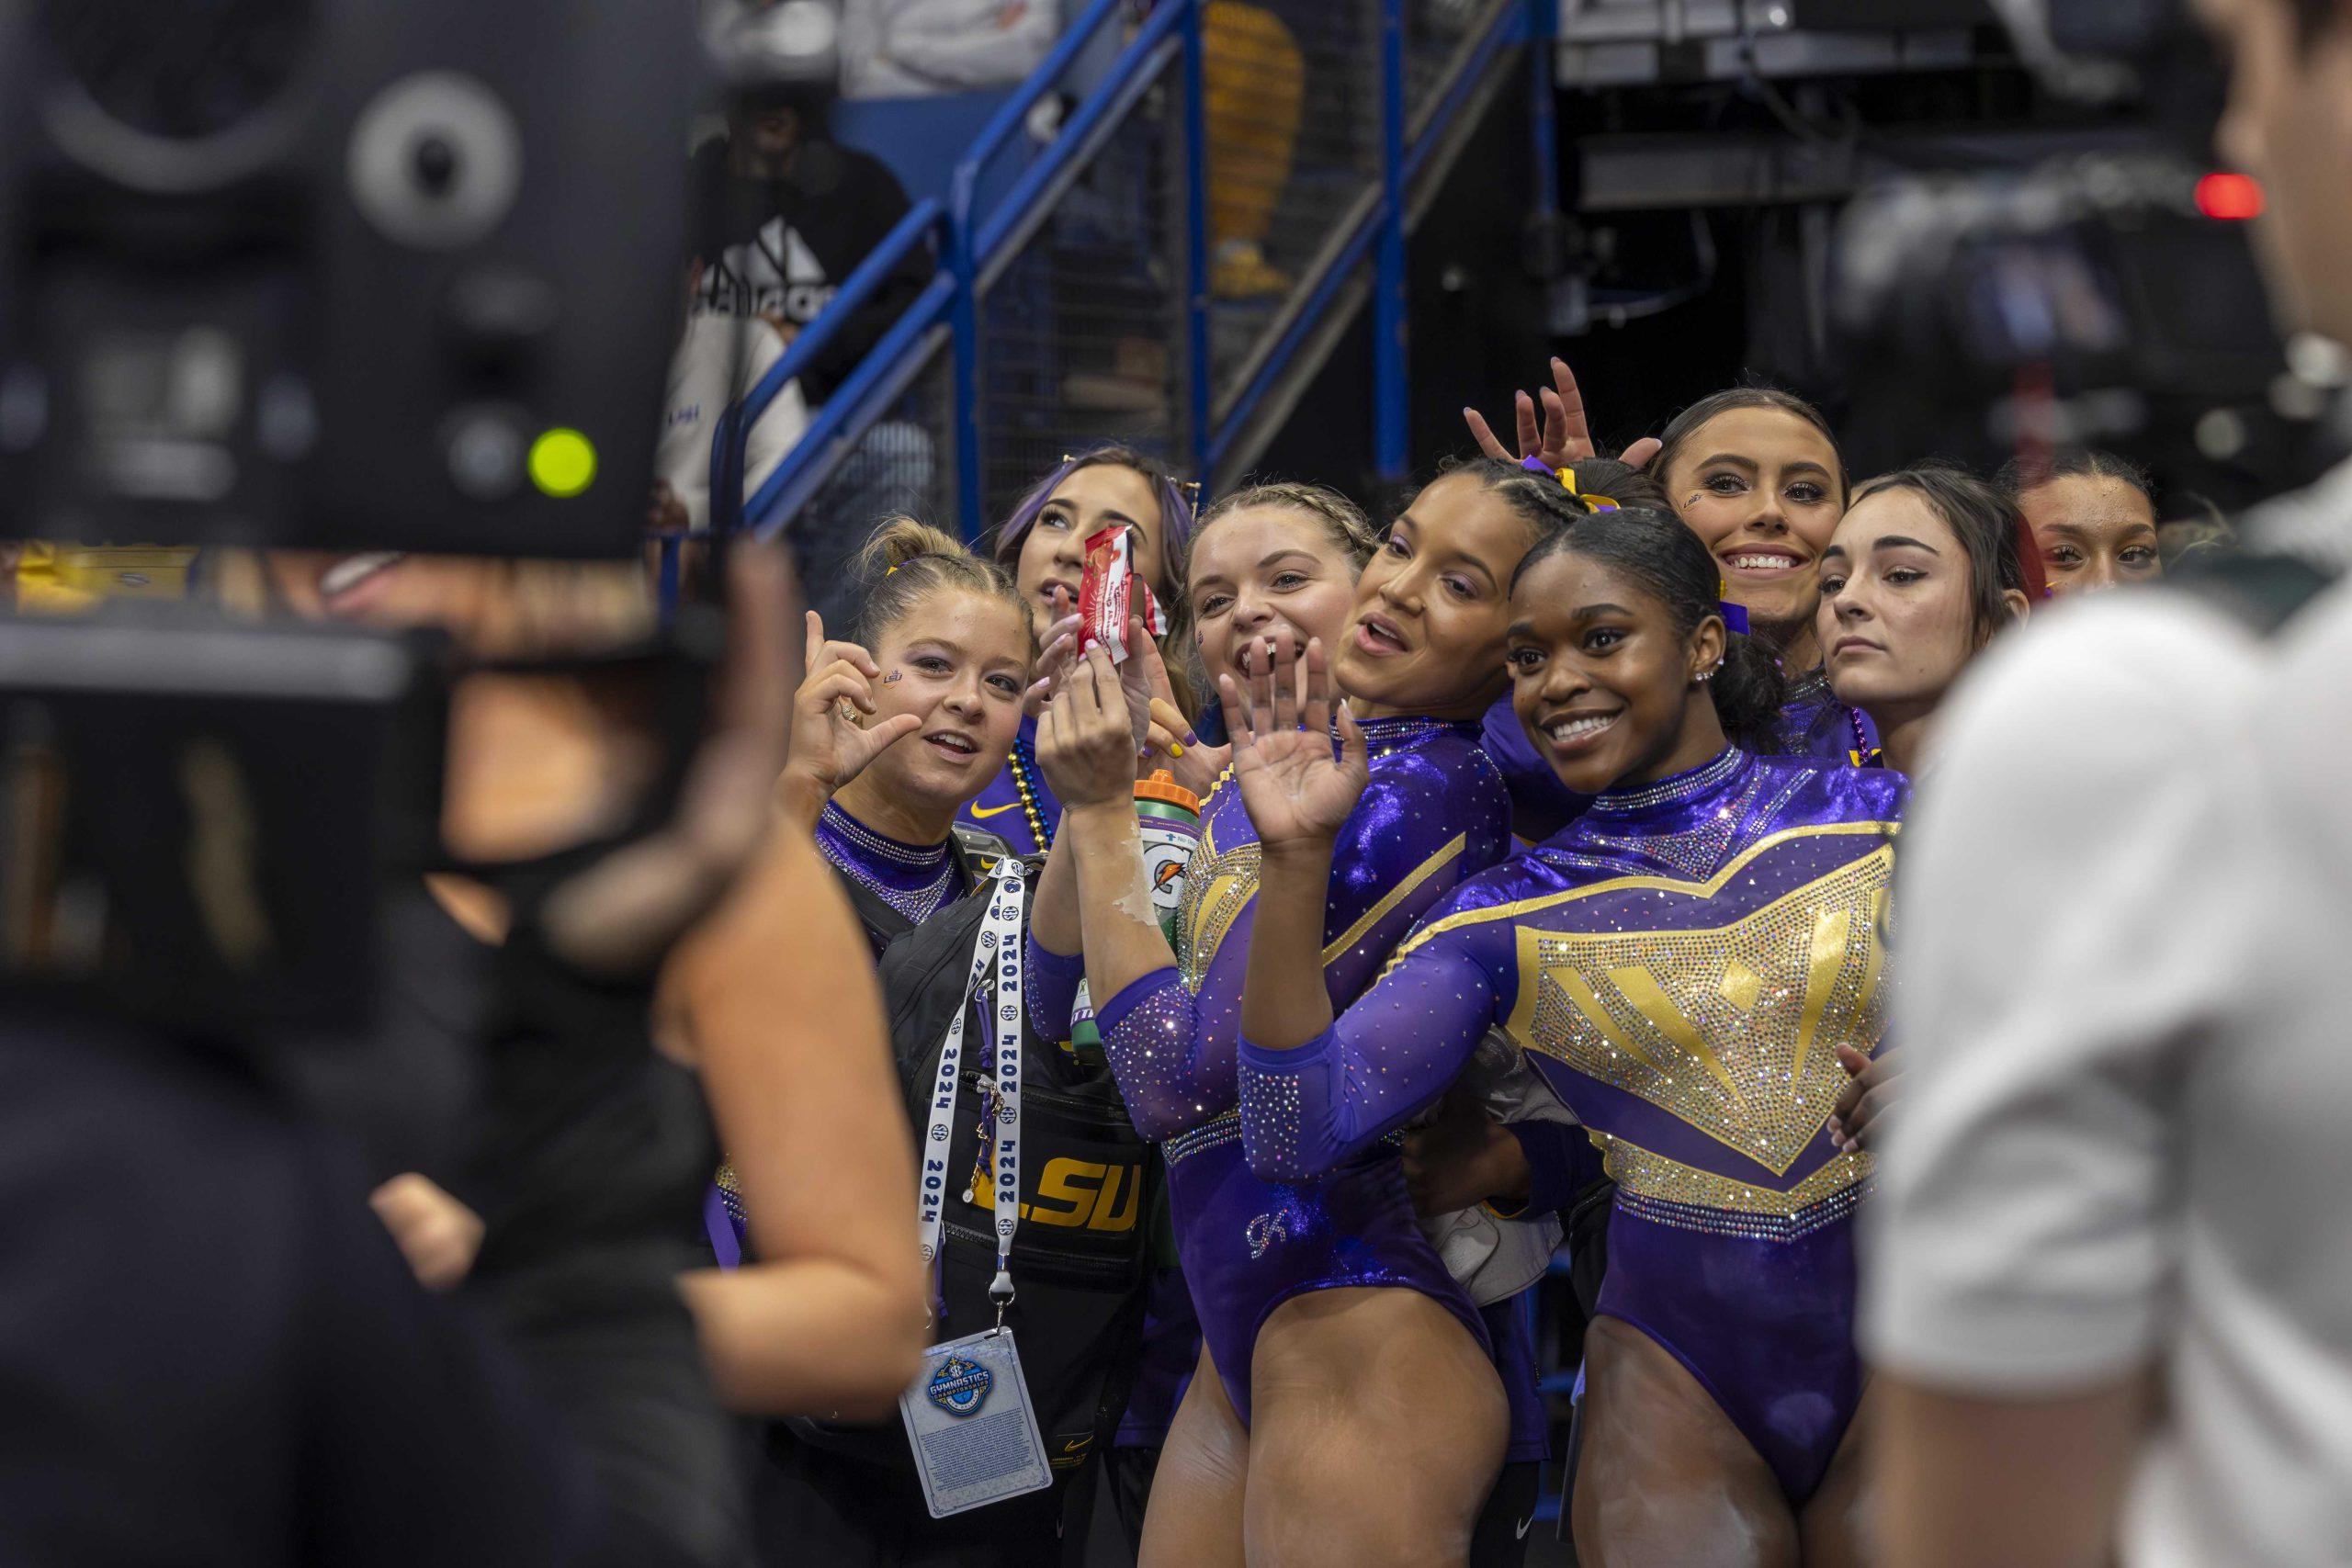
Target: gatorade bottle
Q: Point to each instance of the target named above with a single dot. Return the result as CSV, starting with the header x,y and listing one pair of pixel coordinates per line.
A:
x,y
1169,816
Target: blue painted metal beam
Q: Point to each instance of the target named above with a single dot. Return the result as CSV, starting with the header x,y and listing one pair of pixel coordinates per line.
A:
x,y
1544,108
1391,438
1128,84
765,512
1512,28
1308,316
1196,245
733,427
974,246
1010,118
964,318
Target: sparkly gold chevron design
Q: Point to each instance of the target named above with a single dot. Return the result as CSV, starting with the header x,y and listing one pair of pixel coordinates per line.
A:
x,y
1645,1173
1218,884
1729,1028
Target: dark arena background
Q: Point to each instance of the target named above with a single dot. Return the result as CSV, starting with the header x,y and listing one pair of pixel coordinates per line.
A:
x,y
1407,712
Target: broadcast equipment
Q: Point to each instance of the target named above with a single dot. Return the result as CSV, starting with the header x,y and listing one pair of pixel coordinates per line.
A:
x,y
2090,302
340,274
2110,300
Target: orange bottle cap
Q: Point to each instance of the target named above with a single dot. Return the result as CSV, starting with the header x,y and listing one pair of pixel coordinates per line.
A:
x,y
1162,785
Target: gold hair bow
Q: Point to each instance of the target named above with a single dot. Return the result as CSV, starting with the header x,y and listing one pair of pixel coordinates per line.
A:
x,y
1592,503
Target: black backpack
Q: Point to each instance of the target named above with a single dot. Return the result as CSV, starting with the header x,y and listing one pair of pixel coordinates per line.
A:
x,y
1088,1187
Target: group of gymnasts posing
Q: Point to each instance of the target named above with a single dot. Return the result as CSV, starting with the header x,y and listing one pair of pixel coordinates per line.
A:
x,y
1607,758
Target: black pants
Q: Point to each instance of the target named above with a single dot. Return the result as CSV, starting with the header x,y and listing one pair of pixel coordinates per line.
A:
x,y
1499,1539
1131,1470
816,1508
608,1343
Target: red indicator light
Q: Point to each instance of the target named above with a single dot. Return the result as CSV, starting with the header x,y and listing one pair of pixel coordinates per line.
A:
x,y
2231,197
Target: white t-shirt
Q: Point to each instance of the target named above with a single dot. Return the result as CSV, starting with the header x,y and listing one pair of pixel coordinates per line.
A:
x,y
2124,920
718,359
912,49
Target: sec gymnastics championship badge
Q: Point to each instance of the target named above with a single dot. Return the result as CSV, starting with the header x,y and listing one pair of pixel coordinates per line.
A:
x,y
960,1387
970,1428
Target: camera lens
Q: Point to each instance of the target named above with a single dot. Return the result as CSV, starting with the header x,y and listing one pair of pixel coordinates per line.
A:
x,y
436,164
180,73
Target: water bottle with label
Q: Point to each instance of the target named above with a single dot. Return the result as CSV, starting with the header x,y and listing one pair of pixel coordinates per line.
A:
x,y
1169,817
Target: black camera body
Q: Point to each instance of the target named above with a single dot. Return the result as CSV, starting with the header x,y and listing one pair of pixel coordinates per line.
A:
x,y
329,274
335,274
204,819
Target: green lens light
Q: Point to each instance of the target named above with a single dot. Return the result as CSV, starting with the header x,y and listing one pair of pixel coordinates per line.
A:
x,y
563,463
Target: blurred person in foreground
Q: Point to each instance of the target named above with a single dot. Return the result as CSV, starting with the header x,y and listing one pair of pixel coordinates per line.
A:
x,y
2111,1290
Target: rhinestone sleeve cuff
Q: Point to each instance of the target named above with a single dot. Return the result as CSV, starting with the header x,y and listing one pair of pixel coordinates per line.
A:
x,y
1290,1101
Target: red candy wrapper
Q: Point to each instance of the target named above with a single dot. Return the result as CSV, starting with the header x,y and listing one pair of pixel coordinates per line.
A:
x,y
1107,592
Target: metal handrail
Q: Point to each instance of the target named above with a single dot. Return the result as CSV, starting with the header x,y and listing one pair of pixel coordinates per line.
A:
x,y
975,246
733,427
1118,86
848,400
1013,113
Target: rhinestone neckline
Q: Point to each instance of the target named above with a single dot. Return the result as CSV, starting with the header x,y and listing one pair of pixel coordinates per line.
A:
x,y
1686,785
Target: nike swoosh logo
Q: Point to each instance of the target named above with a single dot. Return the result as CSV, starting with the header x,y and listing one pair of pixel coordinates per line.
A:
x,y
982,813
1524,1526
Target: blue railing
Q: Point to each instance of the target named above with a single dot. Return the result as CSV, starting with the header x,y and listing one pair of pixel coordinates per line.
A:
x,y
1084,302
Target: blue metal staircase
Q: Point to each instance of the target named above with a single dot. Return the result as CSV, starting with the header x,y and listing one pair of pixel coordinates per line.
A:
x,y
1075,296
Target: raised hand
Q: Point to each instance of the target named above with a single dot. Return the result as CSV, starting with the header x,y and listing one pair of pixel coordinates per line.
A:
x,y
1059,650
1086,739
1564,435
832,744
1297,793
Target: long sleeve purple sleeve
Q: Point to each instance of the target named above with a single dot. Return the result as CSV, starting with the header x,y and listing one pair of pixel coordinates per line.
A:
x,y
1306,1111
1172,1035
1050,981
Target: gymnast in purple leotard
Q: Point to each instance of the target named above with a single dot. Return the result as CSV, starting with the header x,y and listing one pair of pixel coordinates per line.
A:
x,y
1682,963
1315,1298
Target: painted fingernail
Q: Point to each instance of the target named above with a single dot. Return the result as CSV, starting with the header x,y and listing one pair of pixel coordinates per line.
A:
x,y
1175,748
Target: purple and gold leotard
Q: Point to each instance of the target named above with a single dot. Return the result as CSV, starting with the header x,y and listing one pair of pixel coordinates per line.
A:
x,y
1813,723
1434,814
1680,963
